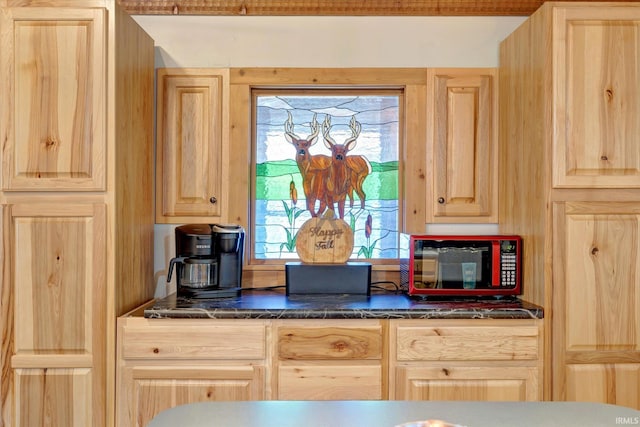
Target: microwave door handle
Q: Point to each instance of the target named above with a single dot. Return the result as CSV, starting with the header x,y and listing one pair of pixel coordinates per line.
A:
x,y
496,261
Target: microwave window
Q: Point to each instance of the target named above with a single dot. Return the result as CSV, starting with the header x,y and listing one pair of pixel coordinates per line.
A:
x,y
451,265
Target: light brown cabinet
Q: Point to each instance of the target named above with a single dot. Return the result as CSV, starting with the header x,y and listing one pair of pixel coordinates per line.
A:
x,y
192,159
164,363
58,346
462,145
53,76
569,91
596,97
334,360
77,215
596,260
497,360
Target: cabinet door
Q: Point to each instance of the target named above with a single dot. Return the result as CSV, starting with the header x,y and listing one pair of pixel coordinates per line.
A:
x,y
596,99
192,151
152,389
467,383
54,259
596,276
462,145
52,66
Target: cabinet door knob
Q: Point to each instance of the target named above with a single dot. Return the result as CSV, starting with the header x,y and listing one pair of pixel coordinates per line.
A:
x,y
213,200
441,200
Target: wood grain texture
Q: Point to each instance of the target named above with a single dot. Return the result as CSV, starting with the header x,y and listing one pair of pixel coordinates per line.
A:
x,y
60,248
185,361
324,241
462,145
602,153
327,381
160,387
77,169
331,343
604,383
573,195
484,383
191,159
53,73
333,7
464,343
596,261
466,359
193,340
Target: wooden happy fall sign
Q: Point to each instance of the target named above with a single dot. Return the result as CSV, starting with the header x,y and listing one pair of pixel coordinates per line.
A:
x,y
324,241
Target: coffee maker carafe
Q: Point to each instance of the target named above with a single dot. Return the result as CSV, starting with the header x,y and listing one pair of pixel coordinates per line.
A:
x,y
208,260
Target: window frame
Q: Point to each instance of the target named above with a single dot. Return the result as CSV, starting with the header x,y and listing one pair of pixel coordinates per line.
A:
x,y
412,144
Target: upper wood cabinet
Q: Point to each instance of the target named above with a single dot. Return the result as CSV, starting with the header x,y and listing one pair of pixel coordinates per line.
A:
x,y
462,156
595,97
192,170
54,127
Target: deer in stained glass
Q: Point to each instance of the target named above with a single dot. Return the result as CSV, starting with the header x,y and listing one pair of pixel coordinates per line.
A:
x,y
347,172
314,169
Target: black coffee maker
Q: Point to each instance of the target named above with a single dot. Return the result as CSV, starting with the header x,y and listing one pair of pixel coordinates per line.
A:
x,y
208,260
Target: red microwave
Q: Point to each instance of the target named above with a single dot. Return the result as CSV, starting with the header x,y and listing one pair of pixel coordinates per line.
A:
x,y
463,265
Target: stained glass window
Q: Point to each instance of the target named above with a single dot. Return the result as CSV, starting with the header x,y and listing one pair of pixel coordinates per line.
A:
x,y
297,136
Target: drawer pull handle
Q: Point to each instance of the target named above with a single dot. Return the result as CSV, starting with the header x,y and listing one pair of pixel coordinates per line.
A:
x,y
213,200
156,350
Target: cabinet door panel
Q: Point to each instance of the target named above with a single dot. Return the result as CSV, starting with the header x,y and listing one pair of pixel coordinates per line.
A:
x,y
190,157
55,397
597,97
156,388
56,265
56,285
462,145
600,246
596,329
608,383
53,60
467,383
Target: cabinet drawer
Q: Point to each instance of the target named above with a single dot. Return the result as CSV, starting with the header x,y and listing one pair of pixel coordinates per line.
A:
x,y
329,343
466,343
207,340
315,381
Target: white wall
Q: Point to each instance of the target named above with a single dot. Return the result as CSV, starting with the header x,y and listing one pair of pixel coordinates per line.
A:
x,y
247,41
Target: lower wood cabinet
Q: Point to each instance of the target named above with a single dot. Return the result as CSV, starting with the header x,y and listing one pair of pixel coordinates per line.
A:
x,y
478,359
168,362
164,363
329,360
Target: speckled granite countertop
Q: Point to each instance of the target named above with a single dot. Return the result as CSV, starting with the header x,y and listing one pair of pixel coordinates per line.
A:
x,y
260,304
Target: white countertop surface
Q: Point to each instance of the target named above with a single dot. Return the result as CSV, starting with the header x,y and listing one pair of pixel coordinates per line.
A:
x,y
378,413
